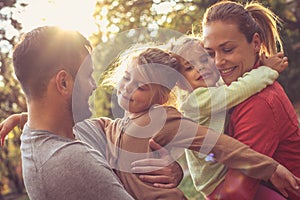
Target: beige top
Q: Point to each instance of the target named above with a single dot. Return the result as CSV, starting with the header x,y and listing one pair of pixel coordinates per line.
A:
x,y
128,141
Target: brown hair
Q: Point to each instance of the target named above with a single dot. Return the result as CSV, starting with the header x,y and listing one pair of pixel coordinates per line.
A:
x,y
250,19
44,51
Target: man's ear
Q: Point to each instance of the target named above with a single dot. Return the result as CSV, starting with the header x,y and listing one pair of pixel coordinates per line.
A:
x,y
64,82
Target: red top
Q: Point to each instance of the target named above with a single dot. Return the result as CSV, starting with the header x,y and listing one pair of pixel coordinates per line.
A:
x,y
268,123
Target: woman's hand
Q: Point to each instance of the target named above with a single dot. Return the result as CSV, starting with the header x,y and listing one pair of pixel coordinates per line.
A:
x,y
159,171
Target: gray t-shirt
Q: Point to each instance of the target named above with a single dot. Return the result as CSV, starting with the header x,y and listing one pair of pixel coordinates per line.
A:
x,y
57,168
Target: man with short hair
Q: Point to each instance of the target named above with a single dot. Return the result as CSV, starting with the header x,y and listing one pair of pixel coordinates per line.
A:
x,y
50,63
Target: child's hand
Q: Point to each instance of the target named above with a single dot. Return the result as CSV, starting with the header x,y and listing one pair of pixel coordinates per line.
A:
x,y
284,180
7,125
277,62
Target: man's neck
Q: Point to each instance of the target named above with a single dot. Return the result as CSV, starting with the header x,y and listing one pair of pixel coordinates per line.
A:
x,y
54,120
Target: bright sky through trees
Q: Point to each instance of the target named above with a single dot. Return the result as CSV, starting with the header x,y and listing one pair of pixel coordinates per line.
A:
x,y
71,14
68,14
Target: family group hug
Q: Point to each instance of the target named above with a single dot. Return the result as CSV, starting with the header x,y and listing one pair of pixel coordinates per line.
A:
x,y
232,119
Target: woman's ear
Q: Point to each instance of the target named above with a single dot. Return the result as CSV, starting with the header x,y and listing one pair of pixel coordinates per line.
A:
x,y
64,82
256,40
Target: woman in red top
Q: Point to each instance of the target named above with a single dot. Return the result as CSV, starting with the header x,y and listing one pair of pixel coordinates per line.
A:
x,y
235,35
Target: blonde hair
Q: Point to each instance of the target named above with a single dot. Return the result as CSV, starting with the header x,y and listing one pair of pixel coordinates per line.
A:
x,y
250,19
156,65
179,45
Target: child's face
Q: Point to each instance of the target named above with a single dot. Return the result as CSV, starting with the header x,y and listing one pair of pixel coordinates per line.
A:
x,y
198,67
134,94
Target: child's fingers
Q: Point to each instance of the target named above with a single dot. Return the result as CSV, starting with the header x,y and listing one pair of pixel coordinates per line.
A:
x,y
284,63
284,59
263,57
279,54
2,141
283,192
2,129
294,190
156,147
295,186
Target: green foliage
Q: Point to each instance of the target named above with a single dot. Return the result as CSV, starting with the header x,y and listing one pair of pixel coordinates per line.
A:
x,y
12,101
114,17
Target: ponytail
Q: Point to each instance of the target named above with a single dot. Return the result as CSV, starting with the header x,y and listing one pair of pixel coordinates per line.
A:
x,y
268,23
250,19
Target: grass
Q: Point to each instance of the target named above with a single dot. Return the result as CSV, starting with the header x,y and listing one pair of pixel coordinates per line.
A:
x,y
186,185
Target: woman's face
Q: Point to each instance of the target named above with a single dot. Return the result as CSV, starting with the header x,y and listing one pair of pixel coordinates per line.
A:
x,y
230,49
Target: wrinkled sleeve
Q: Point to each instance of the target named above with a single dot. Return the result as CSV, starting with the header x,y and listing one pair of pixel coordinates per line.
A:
x,y
217,99
181,132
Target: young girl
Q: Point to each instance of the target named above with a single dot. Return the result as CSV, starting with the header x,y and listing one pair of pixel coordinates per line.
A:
x,y
207,104
144,88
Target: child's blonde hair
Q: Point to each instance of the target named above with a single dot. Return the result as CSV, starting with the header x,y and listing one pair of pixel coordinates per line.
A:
x,y
156,65
179,45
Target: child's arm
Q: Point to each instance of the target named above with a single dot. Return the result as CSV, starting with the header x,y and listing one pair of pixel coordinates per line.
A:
x,y
282,178
10,122
217,99
96,132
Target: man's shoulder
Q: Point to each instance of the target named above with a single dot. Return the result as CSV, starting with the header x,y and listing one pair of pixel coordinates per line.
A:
x,y
49,149
91,132
78,151
76,165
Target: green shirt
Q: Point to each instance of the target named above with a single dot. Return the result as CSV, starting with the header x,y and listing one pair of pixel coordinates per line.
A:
x,y
208,107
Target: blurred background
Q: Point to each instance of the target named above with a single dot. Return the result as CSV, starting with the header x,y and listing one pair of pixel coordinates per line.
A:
x,y
100,20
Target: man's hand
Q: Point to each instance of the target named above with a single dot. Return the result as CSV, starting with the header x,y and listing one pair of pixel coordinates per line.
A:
x,y
284,180
159,171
